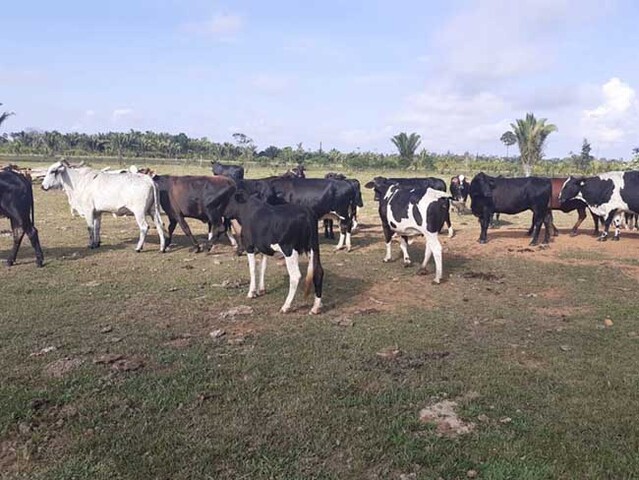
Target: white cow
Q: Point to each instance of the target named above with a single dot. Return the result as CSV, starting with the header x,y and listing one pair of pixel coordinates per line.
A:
x,y
93,192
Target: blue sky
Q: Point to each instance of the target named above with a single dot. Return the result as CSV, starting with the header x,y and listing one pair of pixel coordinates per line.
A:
x,y
349,74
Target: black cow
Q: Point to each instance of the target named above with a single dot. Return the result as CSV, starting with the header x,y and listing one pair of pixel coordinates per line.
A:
x,y
607,195
289,229
16,203
511,195
236,172
328,222
408,211
200,197
323,196
421,183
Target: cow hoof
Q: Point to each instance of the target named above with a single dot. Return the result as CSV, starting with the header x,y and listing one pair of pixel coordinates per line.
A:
x,y
251,295
138,250
615,239
285,309
195,249
573,233
602,239
40,264
482,242
436,281
386,260
261,293
421,271
315,311
8,263
533,244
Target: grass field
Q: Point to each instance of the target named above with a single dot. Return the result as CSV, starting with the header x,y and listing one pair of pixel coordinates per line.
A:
x,y
110,371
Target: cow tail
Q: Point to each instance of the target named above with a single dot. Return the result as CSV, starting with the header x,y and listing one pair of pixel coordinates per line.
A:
x,y
156,208
32,204
314,271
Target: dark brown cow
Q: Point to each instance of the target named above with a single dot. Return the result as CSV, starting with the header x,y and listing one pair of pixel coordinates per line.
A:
x,y
566,207
16,203
201,197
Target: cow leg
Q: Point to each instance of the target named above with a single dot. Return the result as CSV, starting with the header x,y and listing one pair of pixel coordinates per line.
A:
x,y
91,228
607,222
172,225
596,219
427,254
32,233
251,261
388,236
403,244
294,276
215,220
549,227
144,229
617,222
484,221
433,245
538,219
582,216
229,234
262,288
157,220
187,231
18,234
97,225
451,232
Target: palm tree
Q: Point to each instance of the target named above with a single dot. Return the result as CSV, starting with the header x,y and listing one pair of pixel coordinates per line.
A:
x,y
4,116
407,145
531,134
508,138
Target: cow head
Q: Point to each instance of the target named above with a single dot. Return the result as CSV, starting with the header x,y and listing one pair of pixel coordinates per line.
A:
x,y
380,186
53,177
571,188
481,193
459,188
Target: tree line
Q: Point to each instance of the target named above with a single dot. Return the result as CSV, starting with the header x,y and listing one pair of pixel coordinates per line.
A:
x,y
529,133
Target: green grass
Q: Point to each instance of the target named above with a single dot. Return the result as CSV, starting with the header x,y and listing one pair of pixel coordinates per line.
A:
x,y
302,397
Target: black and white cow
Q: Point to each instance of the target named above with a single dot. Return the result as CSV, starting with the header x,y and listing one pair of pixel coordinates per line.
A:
x,y
459,188
328,222
607,195
491,195
289,229
419,183
324,196
410,211
16,203
236,172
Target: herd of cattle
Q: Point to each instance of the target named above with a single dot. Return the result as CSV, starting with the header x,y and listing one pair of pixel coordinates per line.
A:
x,y
280,213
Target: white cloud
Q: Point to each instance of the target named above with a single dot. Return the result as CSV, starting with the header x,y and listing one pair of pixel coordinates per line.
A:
x,y
223,26
119,113
89,113
616,117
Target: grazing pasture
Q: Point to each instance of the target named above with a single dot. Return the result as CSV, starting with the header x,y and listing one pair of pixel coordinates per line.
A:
x,y
125,365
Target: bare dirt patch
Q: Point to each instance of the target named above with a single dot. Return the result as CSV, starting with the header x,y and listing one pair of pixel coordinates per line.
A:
x,y
444,417
61,367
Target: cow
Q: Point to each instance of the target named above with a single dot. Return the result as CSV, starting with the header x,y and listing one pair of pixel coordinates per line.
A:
x,y
422,183
286,228
296,172
337,198
409,211
236,172
491,195
459,188
16,203
328,222
567,207
92,192
631,221
607,195
200,197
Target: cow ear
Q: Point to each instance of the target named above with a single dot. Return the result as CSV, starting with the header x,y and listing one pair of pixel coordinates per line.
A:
x,y
370,184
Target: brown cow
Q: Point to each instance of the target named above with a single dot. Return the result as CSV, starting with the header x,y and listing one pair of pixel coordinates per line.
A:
x,y
201,197
566,207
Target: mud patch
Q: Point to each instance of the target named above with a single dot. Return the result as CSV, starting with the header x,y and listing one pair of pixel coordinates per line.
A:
x,y
445,419
486,276
397,362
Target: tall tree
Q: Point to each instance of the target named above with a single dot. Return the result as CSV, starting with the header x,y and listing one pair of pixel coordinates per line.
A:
x,y
509,139
531,134
4,116
584,159
407,145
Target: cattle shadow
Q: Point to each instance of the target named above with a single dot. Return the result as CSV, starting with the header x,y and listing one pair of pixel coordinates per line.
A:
x,y
340,290
26,254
